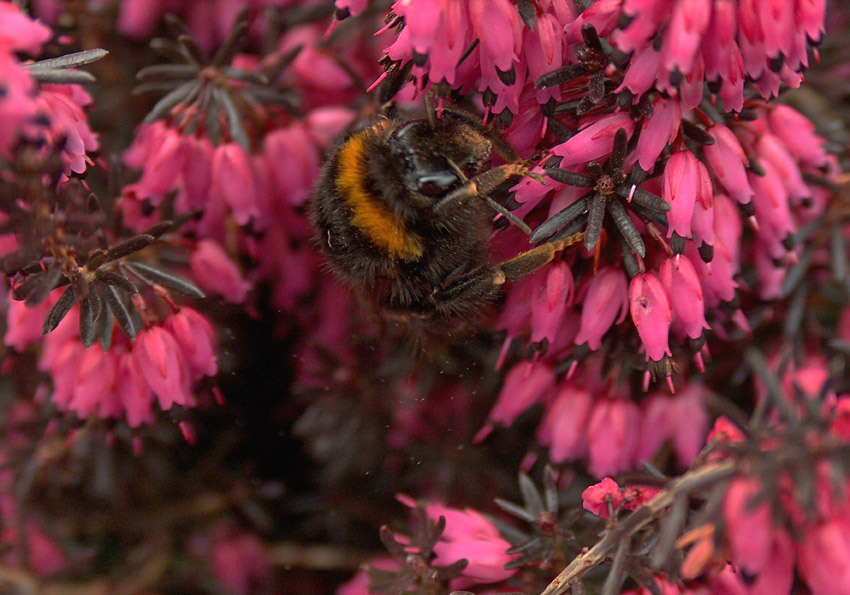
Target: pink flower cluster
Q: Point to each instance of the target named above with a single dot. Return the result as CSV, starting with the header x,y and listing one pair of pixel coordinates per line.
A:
x,y
161,366
18,33
49,113
506,57
593,420
796,529
719,42
676,293
468,535
753,166
702,196
249,193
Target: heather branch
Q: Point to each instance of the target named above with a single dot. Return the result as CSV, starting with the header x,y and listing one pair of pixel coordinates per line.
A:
x,y
639,519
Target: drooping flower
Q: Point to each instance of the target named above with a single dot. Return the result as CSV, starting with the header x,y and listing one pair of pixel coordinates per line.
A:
x,y
682,419
651,313
683,287
594,141
216,273
686,182
163,366
728,162
550,301
233,182
718,276
195,336
17,104
68,127
604,303
133,391
749,526
564,427
504,53
612,436
822,556
720,42
19,32
48,113
657,131
526,384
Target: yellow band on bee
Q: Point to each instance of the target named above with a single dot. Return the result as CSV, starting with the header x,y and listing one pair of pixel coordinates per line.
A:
x,y
384,228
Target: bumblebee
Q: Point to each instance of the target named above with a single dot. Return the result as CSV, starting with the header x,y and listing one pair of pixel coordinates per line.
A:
x,y
403,210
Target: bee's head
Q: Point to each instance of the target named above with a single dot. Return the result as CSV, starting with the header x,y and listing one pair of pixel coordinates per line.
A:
x,y
430,155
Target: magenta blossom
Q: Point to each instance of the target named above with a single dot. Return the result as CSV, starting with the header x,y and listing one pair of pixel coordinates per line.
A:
x,y
594,141
564,427
682,285
823,554
754,540
234,183
682,419
604,303
17,104
612,436
657,132
240,561
728,162
718,41
508,54
603,498
20,33
526,384
798,135
68,127
217,273
23,322
718,276
549,302
52,113
651,313
163,366
93,382
195,336
686,182
469,535
133,391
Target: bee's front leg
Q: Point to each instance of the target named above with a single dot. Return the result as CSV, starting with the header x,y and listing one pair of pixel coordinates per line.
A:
x,y
485,184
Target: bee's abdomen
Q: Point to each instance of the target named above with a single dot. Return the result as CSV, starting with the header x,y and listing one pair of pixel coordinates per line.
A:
x,y
382,227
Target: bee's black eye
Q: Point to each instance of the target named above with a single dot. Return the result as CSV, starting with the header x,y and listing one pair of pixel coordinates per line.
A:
x,y
436,183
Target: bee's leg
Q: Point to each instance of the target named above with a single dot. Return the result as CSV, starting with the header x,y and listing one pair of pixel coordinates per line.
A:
x,y
532,260
483,185
457,284
482,283
463,293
